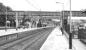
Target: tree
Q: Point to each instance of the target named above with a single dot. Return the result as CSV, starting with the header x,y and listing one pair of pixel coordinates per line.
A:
x,y
3,9
83,11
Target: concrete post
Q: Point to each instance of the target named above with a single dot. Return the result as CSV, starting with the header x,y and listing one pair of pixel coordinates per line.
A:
x,y
16,20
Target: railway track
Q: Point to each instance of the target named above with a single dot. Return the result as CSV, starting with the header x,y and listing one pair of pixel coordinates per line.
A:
x,y
30,42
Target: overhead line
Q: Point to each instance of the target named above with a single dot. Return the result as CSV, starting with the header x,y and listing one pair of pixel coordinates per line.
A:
x,y
31,4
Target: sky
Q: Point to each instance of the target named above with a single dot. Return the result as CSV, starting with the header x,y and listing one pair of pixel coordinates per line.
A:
x,y
44,5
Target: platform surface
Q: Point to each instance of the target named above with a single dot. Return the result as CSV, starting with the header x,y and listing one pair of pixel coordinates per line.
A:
x,y
55,41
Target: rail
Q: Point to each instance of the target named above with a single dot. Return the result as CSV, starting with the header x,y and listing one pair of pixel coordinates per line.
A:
x,y
12,36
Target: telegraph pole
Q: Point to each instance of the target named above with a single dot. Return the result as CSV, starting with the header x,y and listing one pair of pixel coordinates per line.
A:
x,y
6,20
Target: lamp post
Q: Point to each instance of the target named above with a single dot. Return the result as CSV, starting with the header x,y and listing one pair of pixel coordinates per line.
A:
x,y
62,15
70,34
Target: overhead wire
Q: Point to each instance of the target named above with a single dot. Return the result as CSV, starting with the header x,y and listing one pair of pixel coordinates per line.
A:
x,y
32,4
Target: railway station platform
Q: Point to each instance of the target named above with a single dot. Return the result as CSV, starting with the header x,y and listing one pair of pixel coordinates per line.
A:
x,y
55,41
76,43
